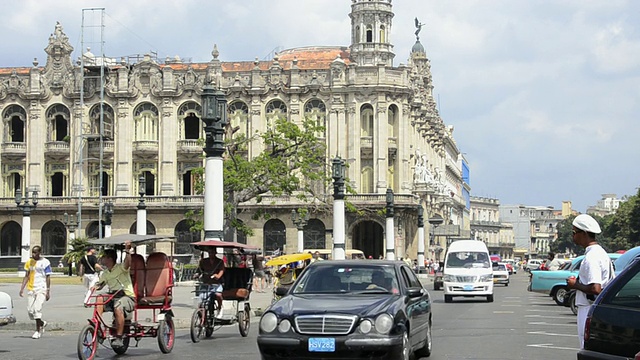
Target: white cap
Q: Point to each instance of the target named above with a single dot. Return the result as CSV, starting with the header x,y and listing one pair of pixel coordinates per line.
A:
x,y
587,223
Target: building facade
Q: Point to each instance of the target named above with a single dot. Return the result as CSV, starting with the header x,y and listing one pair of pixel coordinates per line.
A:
x,y
83,132
607,205
487,226
535,227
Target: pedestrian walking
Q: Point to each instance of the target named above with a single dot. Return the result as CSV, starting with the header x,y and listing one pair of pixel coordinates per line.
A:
x,y
89,271
259,281
553,263
596,270
38,283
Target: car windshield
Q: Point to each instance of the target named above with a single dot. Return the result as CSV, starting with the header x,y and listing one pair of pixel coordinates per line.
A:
x,y
468,259
499,267
347,279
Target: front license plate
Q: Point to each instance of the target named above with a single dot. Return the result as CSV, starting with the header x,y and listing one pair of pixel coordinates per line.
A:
x,y
322,345
467,288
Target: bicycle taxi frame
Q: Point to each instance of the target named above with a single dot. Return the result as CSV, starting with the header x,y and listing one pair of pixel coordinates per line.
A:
x,y
153,285
237,284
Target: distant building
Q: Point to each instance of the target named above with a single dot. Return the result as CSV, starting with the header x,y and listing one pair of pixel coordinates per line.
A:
x,y
486,226
605,206
535,227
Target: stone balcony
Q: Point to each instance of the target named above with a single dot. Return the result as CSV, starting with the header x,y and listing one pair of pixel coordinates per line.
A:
x,y
107,147
56,148
145,147
14,149
189,146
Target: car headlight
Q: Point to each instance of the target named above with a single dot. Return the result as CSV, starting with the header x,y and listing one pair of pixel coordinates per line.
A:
x,y
268,322
449,278
384,323
485,278
284,326
365,326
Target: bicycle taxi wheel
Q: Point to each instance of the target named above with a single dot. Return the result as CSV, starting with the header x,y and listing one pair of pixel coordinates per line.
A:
x,y
87,343
244,321
166,334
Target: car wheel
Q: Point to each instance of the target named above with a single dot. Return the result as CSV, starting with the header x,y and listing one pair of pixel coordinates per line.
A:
x,y
405,352
425,351
436,287
490,298
448,298
559,294
506,284
572,301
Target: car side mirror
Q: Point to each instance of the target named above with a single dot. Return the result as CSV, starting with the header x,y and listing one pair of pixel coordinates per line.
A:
x,y
415,292
282,290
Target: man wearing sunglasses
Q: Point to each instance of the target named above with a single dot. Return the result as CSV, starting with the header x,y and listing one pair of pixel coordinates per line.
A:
x,y
596,270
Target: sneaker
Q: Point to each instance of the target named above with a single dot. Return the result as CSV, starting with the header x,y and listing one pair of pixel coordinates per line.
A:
x,y
219,314
36,335
44,325
117,342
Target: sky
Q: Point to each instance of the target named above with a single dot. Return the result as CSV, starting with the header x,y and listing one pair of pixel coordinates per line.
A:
x,y
544,95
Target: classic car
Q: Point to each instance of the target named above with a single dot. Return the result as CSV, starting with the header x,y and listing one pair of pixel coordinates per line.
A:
x,y
500,274
349,309
612,329
554,283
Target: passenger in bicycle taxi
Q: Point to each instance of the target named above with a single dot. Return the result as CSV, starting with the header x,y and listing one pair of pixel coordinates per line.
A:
x,y
210,271
117,278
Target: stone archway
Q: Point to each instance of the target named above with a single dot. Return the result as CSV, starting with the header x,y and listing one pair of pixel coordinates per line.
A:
x,y
368,236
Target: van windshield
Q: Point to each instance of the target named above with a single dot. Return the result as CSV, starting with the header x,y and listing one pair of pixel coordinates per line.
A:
x,y
468,260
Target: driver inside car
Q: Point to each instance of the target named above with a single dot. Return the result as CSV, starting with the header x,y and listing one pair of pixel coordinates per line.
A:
x,y
117,278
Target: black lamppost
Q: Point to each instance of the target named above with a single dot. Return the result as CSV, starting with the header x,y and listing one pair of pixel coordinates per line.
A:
x,y
300,220
214,115
71,223
338,174
108,214
27,207
389,230
141,215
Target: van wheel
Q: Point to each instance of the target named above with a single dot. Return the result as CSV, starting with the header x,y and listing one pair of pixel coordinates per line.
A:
x,y
448,298
489,298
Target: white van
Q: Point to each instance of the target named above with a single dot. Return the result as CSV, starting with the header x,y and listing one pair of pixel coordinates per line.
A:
x,y
467,270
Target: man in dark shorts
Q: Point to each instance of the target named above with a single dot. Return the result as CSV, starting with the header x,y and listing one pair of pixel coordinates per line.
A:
x,y
89,269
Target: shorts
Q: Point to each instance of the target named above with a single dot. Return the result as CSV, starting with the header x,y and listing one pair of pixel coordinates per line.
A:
x,y
35,300
205,289
125,303
259,274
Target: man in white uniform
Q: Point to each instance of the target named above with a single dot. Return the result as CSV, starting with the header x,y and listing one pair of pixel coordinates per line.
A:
x,y
596,269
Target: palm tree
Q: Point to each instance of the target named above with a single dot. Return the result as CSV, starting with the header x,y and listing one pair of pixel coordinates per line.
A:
x,y
78,250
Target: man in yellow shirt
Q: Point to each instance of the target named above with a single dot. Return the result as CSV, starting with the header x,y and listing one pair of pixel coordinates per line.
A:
x,y
118,279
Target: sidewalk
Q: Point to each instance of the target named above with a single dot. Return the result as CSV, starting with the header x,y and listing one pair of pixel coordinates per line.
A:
x,y
65,311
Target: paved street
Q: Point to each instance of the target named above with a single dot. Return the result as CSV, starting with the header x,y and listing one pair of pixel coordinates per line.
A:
x,y
518,325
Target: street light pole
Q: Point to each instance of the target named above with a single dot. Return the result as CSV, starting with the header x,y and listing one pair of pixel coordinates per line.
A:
x,y
300,220
434,222
72,225
214,115
108,214
389,230
26,206
338,167
141,220
420,238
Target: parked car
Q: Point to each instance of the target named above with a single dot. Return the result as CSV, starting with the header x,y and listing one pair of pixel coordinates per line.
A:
x,y
554,283
511,266
437,277
625,259
612,329
500,274
533,264
6,309
349,309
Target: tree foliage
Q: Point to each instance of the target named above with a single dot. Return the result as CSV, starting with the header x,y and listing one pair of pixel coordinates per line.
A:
x,y
293,163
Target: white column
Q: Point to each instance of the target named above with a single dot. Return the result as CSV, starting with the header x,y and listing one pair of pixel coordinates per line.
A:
x,y
338,230
141,229
300,240
213,199
25,253
107,230
390,240
420,248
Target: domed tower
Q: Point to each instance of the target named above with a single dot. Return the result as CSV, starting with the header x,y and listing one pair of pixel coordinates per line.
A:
x,y
370,29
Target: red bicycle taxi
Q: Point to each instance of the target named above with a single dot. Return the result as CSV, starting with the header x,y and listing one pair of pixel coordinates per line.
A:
x,y
153,285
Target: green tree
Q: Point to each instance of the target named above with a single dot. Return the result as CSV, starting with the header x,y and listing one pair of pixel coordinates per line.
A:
x,y
622,229
78,250
564,242
292,163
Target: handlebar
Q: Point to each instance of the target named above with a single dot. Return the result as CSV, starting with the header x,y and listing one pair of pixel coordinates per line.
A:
x,y
100,299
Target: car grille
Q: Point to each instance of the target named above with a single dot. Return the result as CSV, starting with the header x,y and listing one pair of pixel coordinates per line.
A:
x,y
325,324
466,279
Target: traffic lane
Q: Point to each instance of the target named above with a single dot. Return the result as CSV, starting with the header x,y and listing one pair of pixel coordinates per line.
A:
x,y
226,342
551,326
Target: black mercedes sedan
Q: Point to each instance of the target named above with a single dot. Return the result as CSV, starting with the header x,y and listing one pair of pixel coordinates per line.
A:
x,y
349,309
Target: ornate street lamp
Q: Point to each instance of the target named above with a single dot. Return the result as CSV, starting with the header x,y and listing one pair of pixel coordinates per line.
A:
x,y
389,229
420,238
435,221
71,223
214,115
338,174
27,207
300,220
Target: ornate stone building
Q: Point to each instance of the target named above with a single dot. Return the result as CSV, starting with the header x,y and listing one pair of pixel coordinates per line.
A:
x,y
382,119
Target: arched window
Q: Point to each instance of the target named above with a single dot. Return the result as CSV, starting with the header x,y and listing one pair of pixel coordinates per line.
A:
x,y
10,239
275,237
58,117
54,238
235,235
366,120
315,235
107,120
275,109
392,121
93,230
149,183
369,34
14,118
151,230
316,110
366,180
185,237
189,113
238,113
145,117
12,181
